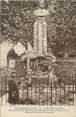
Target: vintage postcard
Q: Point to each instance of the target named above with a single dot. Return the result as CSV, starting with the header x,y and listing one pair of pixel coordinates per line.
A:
x,y
38,58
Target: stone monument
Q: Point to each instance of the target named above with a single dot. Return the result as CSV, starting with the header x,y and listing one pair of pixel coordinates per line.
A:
x,y
39,54
40,29
40,32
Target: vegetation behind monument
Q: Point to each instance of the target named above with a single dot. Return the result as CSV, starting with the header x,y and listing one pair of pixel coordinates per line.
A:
x,y
17,21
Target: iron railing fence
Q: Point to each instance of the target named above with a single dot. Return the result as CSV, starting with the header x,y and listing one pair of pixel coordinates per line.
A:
x,y
46,91
43,92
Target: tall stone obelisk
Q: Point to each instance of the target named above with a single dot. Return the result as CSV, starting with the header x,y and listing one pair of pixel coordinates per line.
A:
x,y
40,29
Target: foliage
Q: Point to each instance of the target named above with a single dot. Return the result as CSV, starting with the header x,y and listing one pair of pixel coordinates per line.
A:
x,y
62,29
17,21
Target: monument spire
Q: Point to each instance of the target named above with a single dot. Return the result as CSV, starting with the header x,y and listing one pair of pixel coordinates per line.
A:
x,y
40,29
